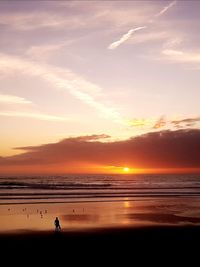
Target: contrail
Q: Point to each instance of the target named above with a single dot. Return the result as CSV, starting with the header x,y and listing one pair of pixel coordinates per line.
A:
x,y
125,37
165,9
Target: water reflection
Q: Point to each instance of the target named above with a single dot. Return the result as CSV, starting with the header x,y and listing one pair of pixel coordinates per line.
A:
x,y
126,204
165,218
100,214
89,218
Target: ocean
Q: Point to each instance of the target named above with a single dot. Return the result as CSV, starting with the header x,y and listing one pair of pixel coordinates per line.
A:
x,y
98,201
82,188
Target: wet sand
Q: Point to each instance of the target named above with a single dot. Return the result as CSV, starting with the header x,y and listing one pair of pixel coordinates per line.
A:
x,y
99,215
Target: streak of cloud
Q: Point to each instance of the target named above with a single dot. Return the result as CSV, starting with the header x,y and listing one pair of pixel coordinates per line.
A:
x,y
181,56
165,9
128,35
160,123
185,122
139,122
12,99
32,115
62,79
125,37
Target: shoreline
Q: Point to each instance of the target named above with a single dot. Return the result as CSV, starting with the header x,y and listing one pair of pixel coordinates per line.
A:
x,y
97,215
103,200
100,230
131,232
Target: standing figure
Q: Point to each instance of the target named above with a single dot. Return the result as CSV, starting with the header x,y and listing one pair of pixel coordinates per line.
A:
x,y
57,225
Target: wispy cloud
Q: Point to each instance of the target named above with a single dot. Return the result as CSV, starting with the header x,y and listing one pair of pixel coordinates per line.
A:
x,y
43,51
153,36
62,79
185,122
139,122
171,52
31,115
181,56
13,99
165,9
125,37
160,123
64,17
172,43
32,21
178,123
128,35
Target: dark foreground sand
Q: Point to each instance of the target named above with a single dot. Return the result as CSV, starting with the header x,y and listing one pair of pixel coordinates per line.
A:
x,y
145,244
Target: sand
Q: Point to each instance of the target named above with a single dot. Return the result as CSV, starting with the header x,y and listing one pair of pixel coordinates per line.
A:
x,y
151,231
138,244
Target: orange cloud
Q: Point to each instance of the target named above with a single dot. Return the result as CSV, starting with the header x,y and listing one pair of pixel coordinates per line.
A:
x,y
160,123
138,122
163,150
185,122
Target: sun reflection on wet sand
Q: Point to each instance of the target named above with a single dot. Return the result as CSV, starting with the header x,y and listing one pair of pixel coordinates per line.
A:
x,y
98,214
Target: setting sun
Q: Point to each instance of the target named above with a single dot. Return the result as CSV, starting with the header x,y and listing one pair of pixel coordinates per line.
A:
x,y
100,127
126,169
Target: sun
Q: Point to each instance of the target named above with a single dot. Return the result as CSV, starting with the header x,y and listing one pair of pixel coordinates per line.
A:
x,y
126,169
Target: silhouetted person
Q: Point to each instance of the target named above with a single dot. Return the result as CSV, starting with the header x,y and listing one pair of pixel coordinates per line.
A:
x,y
57,225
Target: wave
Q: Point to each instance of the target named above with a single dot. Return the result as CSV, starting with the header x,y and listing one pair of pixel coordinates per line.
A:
x,y
99,187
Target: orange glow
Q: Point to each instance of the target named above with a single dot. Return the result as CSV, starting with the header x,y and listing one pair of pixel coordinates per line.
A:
x,y
90,169
126,203
158,152
126,169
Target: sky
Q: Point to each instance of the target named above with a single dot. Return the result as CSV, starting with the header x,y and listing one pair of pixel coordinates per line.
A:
x,y
99,75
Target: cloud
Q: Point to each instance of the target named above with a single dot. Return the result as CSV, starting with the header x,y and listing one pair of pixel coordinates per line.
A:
x,y
125,37
93,137
32,21
165,149
32,115
62,79
165,9
171,43
160,123
72,17
181,56
150,37
139,122
78,139
13,99
171,52
43,51
185,122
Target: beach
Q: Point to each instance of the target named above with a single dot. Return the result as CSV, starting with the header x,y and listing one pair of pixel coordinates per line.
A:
x,y
110,216
94,214
102,229
100,133
139,245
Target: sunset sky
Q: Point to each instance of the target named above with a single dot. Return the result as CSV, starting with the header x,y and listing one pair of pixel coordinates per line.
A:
x,y
97,86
